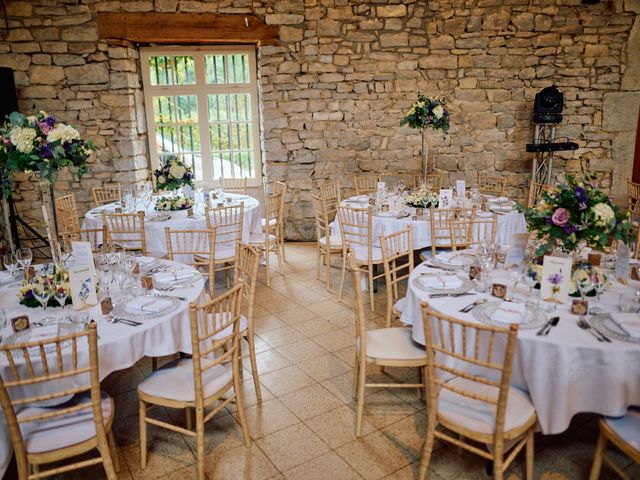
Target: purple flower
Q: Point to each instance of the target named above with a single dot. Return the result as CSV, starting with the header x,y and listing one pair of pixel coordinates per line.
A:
x,y
555,279
569,229
581,195
45,151
560,217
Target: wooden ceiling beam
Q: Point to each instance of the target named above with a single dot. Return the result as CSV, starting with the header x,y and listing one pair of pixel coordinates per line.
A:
x,y
185,28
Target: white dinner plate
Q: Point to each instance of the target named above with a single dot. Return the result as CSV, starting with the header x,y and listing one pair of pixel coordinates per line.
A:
x,y
123,309
531,319
183,282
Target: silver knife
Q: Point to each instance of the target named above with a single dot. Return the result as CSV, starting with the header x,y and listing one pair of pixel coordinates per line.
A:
x,y
438,295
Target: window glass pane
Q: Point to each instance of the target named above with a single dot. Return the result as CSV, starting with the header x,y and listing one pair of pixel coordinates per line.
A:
x,y
241,136
184,69
218,108
214,66
238,68
240,106
219,136
172,70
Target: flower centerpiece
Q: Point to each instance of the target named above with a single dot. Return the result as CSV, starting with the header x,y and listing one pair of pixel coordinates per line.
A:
x,y
60,279
584,272
576,214
421,198
173,175
170,204
40,143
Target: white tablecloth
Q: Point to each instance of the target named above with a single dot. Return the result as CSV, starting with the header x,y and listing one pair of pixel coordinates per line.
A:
x,y
120,346
154,229
508,224
565,373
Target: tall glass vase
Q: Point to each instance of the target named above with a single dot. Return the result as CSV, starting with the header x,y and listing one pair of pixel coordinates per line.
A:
x,y
49,217
425,154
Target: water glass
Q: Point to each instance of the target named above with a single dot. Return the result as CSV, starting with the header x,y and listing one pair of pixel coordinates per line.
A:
x,y
42,292
10,263
60,294
24,257
630,302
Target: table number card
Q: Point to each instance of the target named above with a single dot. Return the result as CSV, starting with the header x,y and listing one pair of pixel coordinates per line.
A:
x,y
82,282
461,186
83,255
516,250
556,279
380,186
445,200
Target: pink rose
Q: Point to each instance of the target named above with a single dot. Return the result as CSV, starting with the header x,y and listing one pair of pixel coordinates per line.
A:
x,y
560,217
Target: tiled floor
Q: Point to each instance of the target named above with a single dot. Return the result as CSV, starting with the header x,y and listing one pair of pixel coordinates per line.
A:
x,y
304,428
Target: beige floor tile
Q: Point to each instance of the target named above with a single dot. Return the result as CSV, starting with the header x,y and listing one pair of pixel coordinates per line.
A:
x,y
409,433
249,392
127,430
268,417
314,326
326,307
267,322
382,408
334,340
295,315
281,336
163,457
302,350
375,456
323,467
222,433
292,446
286,380
324,367
338,427
341,387
310,401
268,361
278,305
347,355
243,462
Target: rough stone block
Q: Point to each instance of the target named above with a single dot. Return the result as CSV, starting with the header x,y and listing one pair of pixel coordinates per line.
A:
x,y
87,74
46,75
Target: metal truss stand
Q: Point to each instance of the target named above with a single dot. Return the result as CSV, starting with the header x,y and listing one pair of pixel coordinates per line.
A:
x,y
543,160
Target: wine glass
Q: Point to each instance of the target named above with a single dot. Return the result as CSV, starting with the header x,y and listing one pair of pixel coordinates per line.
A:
x,y
598,284
42,293
24,257
529,277
10,263
585,285
60,294
514,275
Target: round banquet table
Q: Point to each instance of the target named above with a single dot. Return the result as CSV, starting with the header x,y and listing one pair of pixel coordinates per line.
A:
x,y
508,224
119,345
566,372
154,224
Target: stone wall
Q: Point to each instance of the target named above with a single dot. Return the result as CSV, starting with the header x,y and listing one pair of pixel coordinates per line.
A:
x,y
334,90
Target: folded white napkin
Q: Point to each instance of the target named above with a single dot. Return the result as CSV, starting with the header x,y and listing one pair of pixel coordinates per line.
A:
x,y
147,304
170,277
508,312
629,321
440,281
499,200
484,214
454,259
144,261
43,333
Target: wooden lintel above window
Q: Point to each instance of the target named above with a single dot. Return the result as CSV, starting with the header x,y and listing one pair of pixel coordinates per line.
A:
x,y
185,28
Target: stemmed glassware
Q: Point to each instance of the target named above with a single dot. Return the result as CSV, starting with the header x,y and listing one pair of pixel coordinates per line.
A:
x,y
598,285
10,263
42,292
585,285
24,257
60,294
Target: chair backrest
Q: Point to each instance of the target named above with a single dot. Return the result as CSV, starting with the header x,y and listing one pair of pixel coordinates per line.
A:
x,y
491,185
273,207
355,228
228,223
633,197
440,219
59,367
535,192
67,213
468,233
126,230
330,191
458,348
107,194
366,183
397,259
245,268
434,179
324,213
238,185
193,247
215,334
97,237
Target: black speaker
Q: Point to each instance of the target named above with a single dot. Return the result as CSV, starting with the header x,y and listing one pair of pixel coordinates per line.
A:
x,y
8,94
548,106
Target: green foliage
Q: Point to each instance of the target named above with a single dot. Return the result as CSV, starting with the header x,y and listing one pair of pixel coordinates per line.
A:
x,y
428,112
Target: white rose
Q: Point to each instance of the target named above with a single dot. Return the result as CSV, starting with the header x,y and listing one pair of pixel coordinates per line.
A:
x,y
64,133
22,138
438,112
603,214
177,171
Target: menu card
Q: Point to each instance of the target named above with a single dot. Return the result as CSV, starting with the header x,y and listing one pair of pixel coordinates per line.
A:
x,y
516,249
82,282
82,255
445,200
461,186
623,268
556,279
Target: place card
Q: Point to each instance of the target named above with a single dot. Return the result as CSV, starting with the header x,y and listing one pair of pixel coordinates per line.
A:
x,y
189,212
385,207
83,255
474,272
445,199
461,186
594,259
635,273
82,282
499,290
556,279
106,305
419,212
147,282
20,323
579,307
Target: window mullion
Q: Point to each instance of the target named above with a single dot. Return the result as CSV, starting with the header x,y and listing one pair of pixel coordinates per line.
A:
x,y
203,120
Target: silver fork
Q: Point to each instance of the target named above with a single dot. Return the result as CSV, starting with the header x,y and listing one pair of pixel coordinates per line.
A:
x,y
598,335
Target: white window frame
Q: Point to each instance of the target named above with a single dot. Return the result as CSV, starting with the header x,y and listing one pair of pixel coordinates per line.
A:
x,y
201,89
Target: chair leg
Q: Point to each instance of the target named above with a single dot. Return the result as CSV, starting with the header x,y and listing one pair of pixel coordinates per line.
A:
x,y
200,442
529,457
280,256
143,433
420,375
112,449
597,458
362,374
371,301
327,261
342,275
498,473
254,365
318,261
240,406
428,448
266,266
354,389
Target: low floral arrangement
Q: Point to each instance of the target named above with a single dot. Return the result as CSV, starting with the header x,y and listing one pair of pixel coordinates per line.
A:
x,y
166,204
576,213
60,277
40,143
173,175
428,112
421,198
585,272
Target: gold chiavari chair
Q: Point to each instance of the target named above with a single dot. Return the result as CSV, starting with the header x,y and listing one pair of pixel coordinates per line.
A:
x,y
325,212
366,183
277,187
330,192
97,237
194,247
67,213
624,433
267,241
246,269
235,185
397,259
107,194
46,434
473,406
209,380
434,179
356,231
491,185
633,196
467,233
126,230
228,223
384,347
440,219
535,192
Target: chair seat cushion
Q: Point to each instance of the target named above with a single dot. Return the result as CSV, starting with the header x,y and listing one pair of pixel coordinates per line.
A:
x,y
176,382
59,432
272,222
479,416
244,323
393,344
362,253
221,253
400,304
334,240
260,238
627,427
